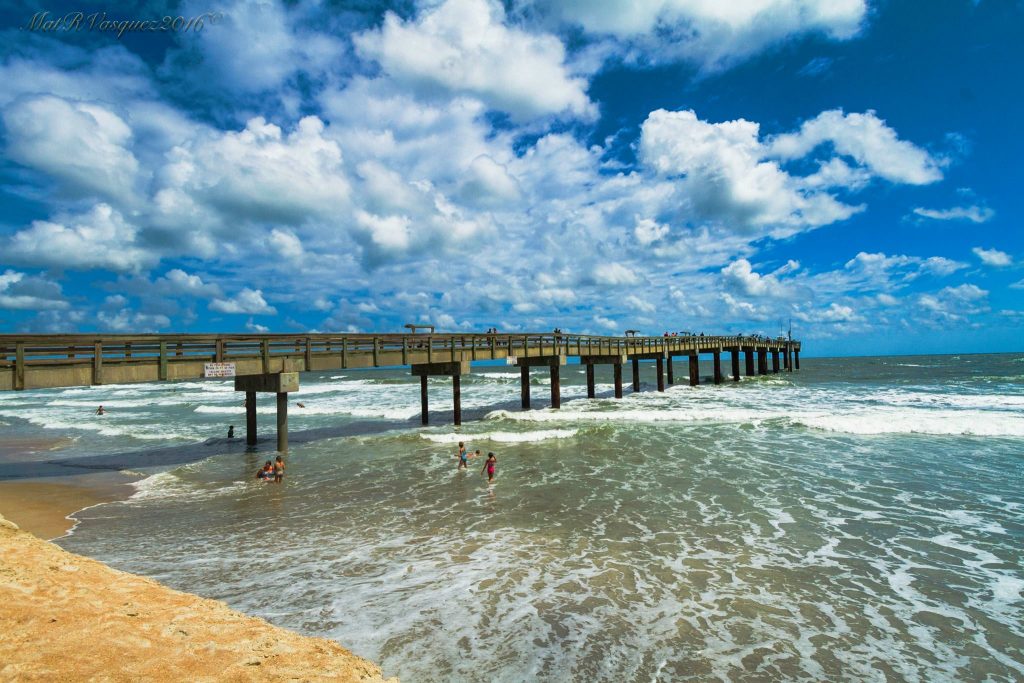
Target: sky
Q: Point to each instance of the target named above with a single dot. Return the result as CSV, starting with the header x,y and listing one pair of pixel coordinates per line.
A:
x,y
848,167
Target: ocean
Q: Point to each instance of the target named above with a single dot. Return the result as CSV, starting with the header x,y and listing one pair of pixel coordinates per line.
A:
x,y
859,519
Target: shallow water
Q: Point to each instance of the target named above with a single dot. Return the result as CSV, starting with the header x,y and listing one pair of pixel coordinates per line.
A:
x,y
859,519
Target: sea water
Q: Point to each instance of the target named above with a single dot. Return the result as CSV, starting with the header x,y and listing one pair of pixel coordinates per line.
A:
x,y
860,519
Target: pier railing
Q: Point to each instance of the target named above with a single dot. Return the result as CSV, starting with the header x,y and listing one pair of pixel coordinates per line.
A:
x,y
39,361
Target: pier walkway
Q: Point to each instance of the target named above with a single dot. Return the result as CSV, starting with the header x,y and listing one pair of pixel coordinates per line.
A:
x,y
271,362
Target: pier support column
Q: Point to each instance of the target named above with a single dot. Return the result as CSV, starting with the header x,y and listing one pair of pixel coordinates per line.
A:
x,y
457,399
785,357
424,402
636,375
282,422
796,358
281,383
250,418
735,365
762,361
694,370
775,361
556,392
553,363
524,382
615,360
671,374
453,369
717,355
659,364
748,354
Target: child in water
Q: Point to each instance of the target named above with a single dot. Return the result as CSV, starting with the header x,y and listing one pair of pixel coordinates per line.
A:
x,y
266,473
489,466
463,457
278,470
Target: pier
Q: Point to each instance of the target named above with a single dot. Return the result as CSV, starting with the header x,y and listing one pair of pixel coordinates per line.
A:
x,y
271,363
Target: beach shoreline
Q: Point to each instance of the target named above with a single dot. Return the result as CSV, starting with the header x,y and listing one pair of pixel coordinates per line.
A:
x,y
47,507
59,603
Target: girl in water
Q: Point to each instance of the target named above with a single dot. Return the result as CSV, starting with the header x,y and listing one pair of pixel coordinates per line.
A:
x,y
489,467
463,457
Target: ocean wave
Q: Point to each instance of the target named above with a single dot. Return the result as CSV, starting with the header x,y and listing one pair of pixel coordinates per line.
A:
x,y
938,422
503,437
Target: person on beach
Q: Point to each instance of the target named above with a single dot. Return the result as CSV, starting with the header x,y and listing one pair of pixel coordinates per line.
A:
x,y
301,405
100,411
489,467
278,470
463,457
231,431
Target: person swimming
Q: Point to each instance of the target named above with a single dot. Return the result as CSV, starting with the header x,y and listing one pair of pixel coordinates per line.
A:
x,y
100,411
489,466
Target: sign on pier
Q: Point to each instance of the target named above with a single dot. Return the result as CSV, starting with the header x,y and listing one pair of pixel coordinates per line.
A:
x,y
219,370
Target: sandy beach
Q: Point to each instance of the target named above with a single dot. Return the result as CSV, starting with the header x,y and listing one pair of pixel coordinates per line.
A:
x,y
42,507
69,617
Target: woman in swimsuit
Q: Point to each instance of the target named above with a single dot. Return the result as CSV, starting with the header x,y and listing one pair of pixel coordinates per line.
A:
x,y
489,466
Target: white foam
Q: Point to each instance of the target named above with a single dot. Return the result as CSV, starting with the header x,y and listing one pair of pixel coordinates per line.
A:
x,y
502,437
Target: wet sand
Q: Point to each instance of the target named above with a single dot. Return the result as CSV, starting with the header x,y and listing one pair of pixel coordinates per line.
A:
x,y
67,617
42,507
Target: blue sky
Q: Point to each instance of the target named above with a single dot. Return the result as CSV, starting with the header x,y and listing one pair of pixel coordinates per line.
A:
x,y
661,165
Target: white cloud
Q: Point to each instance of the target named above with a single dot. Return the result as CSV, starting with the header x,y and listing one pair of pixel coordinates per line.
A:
x,y
648,231
973,213
246,301
714,34
993,257
29,293
116,316
83,145
723,170
101,238
176,282
259,174
1019,284
614,274
605,322
464,46
286,244
739,275
256,328
866,139
940,265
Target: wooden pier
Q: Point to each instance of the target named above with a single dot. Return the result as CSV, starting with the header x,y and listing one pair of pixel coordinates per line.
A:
x,y
50,361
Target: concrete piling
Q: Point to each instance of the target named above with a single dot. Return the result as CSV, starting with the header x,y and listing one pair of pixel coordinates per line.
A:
x,y
694,370
250,418
775,361
282,422
717,355
659,363
748,354
735,365
636,374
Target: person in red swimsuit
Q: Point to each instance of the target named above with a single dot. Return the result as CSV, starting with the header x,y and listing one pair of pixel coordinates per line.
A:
x,y
489,466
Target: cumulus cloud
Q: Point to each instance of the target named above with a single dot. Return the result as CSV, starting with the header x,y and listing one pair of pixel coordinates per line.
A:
x,y
724,172
713,34
101,238
614,274
116,316
868,140
954,304
740,276
973,213
259,173
249,301
464,46
993,257
177,282
285,244
82,145
29,293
